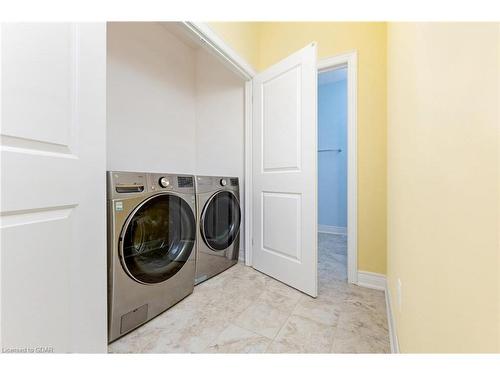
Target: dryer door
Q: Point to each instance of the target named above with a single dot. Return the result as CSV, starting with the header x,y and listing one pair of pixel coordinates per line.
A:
x,y
220,220
157,238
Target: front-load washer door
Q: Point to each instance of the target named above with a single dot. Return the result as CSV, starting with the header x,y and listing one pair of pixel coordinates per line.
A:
x,y
158,239
220,220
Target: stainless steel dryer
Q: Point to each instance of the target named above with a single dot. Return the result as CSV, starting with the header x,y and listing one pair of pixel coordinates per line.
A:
x,y
219,218
151,246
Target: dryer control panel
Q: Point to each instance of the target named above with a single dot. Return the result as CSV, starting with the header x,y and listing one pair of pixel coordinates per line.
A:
x,y
213,183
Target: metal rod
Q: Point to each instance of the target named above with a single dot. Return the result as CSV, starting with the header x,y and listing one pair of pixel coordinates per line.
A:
x,y
331,149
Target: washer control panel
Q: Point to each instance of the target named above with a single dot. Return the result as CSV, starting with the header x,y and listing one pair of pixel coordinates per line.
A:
x,y
160,182
223,182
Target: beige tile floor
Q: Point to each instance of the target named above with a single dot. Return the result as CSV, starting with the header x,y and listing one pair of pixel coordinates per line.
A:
x,y
245,311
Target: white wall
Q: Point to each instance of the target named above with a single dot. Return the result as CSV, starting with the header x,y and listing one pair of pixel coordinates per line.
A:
x,y
151,100
220,100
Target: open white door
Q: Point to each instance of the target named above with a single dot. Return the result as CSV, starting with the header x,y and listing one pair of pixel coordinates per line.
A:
x,y
53,217
284,171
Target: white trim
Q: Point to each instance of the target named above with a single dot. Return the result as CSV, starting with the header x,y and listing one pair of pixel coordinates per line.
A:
x,y
331,229
371,280
248,173
218,45
378,281
350,60
391,323
241,256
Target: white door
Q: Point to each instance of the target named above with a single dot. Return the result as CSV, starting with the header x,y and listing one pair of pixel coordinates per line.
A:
x,y
53,219
284,171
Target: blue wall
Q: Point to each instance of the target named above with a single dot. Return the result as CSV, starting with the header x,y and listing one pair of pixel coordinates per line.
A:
x,y
332,133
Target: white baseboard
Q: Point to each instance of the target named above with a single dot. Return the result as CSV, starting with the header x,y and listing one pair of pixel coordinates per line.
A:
x,y
241,256
391,323
371,280
378,281
332,229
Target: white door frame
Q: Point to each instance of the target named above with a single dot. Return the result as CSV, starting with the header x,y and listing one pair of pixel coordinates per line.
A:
x,y
349,60
205,33
248,173
242,67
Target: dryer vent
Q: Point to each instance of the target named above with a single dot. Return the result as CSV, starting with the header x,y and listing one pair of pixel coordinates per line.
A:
x,y
134,318
184,181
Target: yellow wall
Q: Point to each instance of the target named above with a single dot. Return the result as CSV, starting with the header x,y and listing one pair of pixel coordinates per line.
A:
x,y
443,185
276,40
498,217
243,37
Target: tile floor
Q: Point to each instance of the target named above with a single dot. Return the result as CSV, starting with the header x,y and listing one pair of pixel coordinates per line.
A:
x,y
245,311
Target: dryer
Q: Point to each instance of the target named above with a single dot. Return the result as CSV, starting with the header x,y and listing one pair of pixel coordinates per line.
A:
x,y
219,219
151,246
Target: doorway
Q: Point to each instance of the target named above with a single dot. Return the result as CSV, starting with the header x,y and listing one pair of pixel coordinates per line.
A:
x,y
332,174
337,169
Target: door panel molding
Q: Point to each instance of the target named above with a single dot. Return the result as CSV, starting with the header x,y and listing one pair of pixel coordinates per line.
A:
x,y
278,224
27,145
282,161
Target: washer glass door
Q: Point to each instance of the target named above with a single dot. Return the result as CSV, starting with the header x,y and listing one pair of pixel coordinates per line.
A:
x,y
221,220
158,239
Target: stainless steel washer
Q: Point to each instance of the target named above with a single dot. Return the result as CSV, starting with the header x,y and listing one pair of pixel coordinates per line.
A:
x,y
219,219
151,246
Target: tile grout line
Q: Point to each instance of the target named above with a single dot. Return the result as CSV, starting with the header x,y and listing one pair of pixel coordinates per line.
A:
x,y
281,327
232,321
246,308
285,322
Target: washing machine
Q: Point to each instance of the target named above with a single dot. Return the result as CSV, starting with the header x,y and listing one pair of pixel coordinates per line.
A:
x,y
219,219
151,246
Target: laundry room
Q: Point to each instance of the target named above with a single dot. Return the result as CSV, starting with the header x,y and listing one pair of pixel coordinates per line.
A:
x,y
175,125
173,185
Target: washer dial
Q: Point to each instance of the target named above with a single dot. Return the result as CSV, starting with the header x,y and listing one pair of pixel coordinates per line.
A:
x,y
164,182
